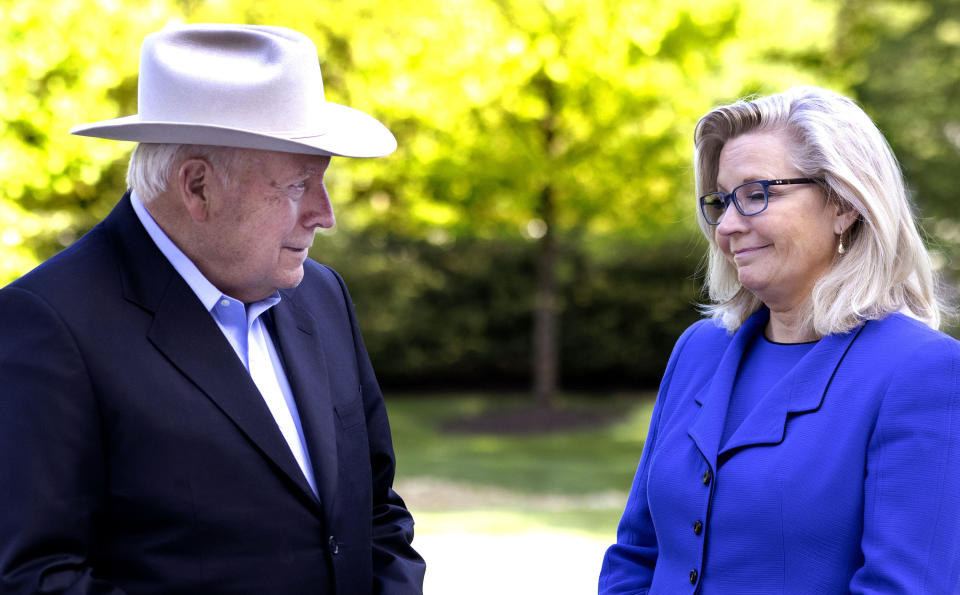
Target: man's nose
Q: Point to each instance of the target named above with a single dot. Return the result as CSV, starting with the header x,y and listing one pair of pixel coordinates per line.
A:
x,y
317,210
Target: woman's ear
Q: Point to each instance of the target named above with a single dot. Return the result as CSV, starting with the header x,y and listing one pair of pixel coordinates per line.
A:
x,y
845,217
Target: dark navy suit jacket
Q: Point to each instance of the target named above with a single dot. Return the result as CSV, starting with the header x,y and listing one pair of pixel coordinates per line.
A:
x,y
136,454
843,479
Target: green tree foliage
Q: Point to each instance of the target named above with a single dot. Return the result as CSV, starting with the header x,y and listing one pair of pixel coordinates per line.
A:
x,y
63,62
459,314
466,85
559,127
901,59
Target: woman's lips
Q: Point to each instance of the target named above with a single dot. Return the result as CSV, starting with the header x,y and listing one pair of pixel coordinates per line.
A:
x,y
742,253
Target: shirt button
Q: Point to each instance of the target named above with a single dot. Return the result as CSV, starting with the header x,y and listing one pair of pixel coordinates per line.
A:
x,y
698,528
693,576
334,546
707,476
224,302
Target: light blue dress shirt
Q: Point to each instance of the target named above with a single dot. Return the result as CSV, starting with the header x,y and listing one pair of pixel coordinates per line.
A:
x,y
244,329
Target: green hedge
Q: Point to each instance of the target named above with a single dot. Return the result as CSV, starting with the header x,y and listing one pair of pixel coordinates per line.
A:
x,y
459,314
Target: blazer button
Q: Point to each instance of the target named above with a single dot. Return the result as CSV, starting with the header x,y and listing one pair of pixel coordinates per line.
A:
x,y
693,576
698,528
707,476
334,546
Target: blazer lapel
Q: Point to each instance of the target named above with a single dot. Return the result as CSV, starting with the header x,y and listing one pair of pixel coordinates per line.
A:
x,y
187,335
714,398
801,391
300,339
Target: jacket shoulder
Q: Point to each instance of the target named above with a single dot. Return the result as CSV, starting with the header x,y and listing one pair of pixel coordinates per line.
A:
x,y
75,270
698,342
907,359
703,334
901,334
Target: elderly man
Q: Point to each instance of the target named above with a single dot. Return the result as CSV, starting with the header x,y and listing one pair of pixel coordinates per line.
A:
x,y
186,405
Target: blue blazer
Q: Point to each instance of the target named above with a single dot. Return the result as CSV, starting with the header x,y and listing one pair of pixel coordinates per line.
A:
x,y
137,456
843,479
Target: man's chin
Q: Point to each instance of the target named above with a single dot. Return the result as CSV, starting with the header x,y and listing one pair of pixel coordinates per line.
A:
x,y
291,278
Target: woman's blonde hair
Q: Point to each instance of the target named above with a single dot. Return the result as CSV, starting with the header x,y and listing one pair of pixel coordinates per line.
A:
x,y
885,268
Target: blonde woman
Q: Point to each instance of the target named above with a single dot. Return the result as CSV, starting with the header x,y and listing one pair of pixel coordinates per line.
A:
x,y
805,434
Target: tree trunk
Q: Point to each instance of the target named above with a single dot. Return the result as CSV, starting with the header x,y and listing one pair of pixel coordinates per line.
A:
x,y
546,361
546,312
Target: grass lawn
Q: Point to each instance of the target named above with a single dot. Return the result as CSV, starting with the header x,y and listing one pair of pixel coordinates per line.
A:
x,y
497,482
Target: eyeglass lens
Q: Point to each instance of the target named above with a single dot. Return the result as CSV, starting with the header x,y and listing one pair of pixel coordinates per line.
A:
x,y
751,199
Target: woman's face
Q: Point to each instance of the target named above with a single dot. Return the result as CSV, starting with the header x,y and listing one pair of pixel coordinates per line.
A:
x,y
781,252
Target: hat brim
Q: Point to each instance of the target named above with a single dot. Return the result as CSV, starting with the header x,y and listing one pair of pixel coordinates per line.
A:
x,y
348,132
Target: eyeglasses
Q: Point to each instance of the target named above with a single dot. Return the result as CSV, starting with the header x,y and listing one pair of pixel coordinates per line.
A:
x,y
750,199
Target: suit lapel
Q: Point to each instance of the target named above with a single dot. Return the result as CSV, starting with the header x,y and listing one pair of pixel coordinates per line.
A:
x,y
300,340
714,398
800,391
187,335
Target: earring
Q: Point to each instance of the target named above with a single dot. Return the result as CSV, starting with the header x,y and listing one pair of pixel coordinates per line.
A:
x,y
840,249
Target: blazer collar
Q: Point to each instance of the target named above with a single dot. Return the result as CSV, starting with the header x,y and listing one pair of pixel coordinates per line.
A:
x,y
299,336
187,335
801,391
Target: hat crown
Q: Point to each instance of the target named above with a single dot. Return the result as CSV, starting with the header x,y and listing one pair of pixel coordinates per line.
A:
x,y
245,86
258,78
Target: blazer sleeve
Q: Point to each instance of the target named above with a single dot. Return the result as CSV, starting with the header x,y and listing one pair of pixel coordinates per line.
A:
x,y
629,563
397,568
51,462
911,524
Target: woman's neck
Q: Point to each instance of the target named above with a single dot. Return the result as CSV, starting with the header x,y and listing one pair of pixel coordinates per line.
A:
x,y
790,326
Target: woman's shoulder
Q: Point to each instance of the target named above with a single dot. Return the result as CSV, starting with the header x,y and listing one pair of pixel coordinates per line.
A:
x,y
704,336
909,347
705,332
906,333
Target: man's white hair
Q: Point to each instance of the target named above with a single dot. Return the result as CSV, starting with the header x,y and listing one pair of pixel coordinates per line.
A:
x,y
886,267
151,165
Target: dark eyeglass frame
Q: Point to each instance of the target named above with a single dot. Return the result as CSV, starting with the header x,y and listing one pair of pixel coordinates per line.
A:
x,y
731,197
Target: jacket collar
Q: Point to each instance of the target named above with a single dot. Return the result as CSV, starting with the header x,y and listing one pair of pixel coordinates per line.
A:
x,y
204,355
299,337
801,391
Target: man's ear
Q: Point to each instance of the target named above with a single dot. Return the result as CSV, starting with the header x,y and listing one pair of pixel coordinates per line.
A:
x,y
194,178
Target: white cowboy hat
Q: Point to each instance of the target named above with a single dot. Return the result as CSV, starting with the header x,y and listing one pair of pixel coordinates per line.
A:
x,y
240,86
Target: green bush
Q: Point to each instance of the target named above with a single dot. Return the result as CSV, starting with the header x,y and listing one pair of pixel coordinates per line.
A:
x,y
459,314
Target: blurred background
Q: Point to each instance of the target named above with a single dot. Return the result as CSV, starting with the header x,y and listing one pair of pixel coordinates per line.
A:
x,y
522,265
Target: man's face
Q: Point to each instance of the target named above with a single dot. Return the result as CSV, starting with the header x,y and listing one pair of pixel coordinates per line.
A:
x,y
261,225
